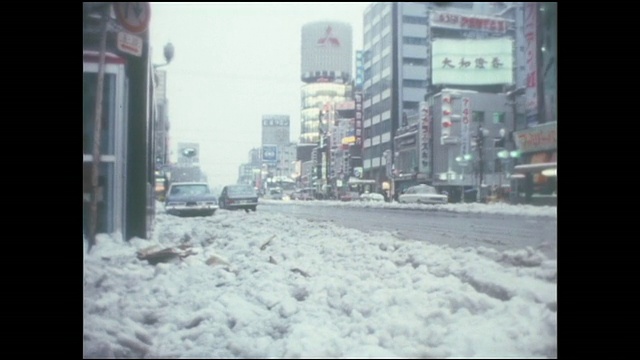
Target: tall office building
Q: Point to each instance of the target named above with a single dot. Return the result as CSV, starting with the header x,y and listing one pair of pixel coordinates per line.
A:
x,y
276,146
396,68
325,69
408,56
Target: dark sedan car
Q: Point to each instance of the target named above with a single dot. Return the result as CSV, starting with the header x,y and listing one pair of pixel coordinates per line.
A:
x,y
235,197
190,198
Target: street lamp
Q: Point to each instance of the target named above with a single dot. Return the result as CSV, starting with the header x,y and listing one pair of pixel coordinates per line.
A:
x,y
168,55
507,157
162,134
463,161
481,135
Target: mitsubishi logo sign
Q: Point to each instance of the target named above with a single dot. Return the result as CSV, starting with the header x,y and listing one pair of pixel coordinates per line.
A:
x,y
329,39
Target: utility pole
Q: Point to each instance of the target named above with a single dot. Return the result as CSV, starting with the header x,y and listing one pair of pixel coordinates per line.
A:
x,y
481,136
93,210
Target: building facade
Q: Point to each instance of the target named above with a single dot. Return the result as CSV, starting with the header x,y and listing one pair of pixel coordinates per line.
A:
x,y
318,103
326,66
123,192
395,61
326,52
161,141
250,172
412,51
536,130
278,153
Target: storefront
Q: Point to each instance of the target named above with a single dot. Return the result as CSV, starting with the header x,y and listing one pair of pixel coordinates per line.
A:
x,y
538,147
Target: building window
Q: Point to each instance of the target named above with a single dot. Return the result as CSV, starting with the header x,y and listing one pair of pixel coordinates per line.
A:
x,y
478,117
499,117
384,84
521,121
386,126
386,41
367,38
414,20
386,21
107,134
414,40
421,84
368,16
377,28
410,105
367,74
414,62
375,151
366,55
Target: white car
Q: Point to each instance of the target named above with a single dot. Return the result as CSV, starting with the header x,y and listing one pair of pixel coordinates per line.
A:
x,y
423,194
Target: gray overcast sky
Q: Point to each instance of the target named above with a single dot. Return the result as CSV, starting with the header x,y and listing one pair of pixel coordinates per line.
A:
x,y
233,63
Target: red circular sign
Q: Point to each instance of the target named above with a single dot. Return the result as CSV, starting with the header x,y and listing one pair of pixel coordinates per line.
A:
x,y
133,16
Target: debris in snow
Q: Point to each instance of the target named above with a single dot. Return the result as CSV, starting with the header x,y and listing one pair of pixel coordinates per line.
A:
x,y
264,246
298,271
154,256
101,280
215,260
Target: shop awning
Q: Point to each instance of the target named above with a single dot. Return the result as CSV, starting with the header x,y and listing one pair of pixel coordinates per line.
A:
x,y
535,168
539,162
356,181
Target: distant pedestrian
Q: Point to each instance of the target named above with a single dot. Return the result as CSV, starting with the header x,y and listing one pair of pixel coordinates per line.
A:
x,y
385,194
166,186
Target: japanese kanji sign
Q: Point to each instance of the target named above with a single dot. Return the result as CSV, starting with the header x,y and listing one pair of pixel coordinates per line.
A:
x,y
472,62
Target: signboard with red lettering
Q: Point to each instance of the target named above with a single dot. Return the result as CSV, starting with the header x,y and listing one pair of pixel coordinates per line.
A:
x,y
130,44
539,138
466,118
426,119
464,22
531,54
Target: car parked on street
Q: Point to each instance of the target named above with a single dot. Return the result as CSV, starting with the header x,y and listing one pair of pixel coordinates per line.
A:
x,y
190,198
234,197
274,194
369,196
423,194
349,196
303,194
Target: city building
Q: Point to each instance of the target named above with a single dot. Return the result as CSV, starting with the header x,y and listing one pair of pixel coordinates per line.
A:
x,y
250,172
326,67
536,136
118,181
278,155
326,61
412,52
395,61
161,140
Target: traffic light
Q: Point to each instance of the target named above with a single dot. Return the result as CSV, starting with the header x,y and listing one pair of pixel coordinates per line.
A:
x,y
500,141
